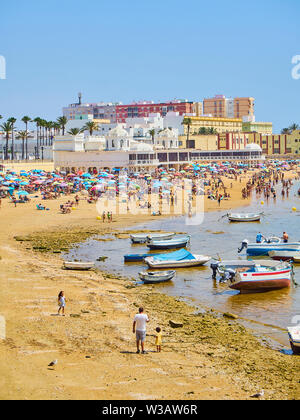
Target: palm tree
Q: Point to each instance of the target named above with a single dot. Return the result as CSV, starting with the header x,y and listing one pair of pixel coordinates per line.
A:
x,y
152,134
62,121
285,131
188,123
38,122
12,120
202,130
6,127
293,127
26,120
91,126
75,131
22,135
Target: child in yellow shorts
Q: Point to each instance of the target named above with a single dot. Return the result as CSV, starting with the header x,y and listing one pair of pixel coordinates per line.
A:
x,y
158,339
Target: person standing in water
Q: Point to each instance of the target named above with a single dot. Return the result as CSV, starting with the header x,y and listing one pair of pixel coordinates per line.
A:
x,y
285,237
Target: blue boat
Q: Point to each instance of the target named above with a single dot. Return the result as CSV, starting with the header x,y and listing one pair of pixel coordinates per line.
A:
x,y
135,257
271,244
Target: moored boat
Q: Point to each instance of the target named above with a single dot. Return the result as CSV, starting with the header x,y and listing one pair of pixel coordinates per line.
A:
x,y
170,243
294,337
135,257
262,278
270,244
180,258
77,265
156,276
244,217
285,255
141,238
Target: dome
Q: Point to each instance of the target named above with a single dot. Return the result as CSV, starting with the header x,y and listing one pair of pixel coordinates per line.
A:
x,y
118,132
140,147
253,146
167,132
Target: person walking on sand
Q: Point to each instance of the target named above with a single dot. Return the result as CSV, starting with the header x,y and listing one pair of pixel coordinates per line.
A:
x,y
158,339
61,302
139,328
103,217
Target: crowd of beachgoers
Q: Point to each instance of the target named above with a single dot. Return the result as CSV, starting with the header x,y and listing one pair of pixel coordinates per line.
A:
x,y
21,187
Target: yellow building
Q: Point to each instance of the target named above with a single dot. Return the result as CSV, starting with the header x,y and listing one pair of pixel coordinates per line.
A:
x,y
280,144
200,142
220,125
260,127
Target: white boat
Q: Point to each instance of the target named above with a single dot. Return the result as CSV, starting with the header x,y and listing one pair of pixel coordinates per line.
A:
x,y
244,217
285,255
294,337
76,265
172,243
262,278
270,244
156,276
180,258
141,238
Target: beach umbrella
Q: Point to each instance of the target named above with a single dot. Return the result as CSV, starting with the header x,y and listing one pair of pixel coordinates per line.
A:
x,y
22,193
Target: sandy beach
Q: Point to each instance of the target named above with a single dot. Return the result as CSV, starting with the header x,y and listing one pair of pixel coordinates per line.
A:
x,y
210,357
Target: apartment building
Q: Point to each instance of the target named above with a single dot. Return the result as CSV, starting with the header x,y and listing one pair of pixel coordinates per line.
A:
x,y
222,107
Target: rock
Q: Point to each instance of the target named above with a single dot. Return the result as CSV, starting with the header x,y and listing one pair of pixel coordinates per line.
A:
x,y
230,315
174,324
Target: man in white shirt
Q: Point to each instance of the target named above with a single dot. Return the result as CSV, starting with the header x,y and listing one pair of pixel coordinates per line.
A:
x,y
139,327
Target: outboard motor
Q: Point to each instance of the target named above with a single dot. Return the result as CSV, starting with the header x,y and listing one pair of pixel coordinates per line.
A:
x,y
244,246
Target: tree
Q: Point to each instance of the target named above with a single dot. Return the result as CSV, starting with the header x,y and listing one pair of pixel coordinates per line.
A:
x,y
26,120
38,122
202,131
6,127
62,121
152,134
12,120
293,127
74,131
22,135
91,126
188,123
285,131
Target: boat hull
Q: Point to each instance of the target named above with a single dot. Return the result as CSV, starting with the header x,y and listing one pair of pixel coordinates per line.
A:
x,y
294,337
77,266
255,282
167,246
244,218
157,277
143,238
199,260
135,257
285,255
256,250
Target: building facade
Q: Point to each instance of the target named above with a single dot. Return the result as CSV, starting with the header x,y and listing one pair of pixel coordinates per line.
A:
x,y
222,107
101,110
220,125
144,109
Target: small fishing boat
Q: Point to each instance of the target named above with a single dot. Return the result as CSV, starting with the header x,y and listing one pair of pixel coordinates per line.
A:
x,y
76,265
141,238
270,244
261,278
180,258
170,243
135,257
156,276
244,217
285,255
294,337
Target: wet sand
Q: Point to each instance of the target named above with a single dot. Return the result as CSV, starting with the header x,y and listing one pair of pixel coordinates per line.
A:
x,y
210,357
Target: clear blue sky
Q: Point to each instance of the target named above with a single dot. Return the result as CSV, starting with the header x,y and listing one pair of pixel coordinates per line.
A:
x,y
149,50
